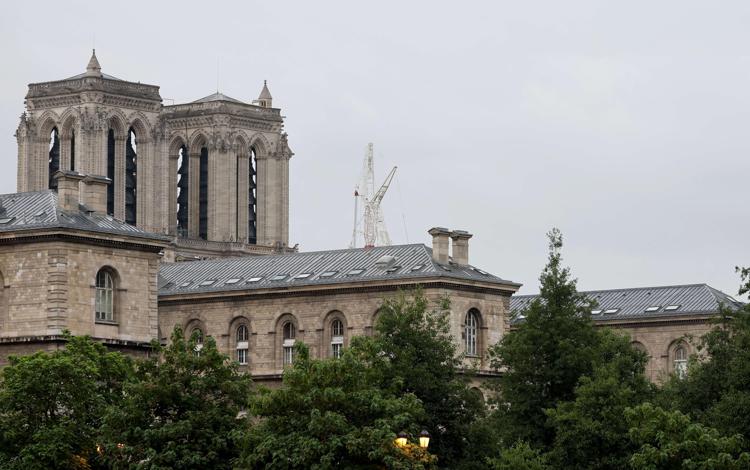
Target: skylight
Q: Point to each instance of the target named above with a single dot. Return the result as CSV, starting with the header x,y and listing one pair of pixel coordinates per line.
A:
x,y
6,220
185,284
670,308
611,311
355,272
168,285
207,282
417,267
596,312
303,275
393,269
329,274
254,279
278,277
653,308
234,280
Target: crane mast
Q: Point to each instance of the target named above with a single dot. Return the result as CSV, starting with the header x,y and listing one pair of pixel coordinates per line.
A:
x,y
370,223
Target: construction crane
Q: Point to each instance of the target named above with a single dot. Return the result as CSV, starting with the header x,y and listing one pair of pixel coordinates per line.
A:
x,y
370,223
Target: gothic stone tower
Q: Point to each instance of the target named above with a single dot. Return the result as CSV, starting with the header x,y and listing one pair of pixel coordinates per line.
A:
x,y
212,173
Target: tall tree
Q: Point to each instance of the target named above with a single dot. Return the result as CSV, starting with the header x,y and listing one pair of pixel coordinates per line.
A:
x,y
423,359
52,404
180,410
331,413
544,357
589,430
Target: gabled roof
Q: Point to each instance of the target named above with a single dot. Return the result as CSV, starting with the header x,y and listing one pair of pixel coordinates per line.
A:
x,y
39,210
648,302
314,268
218,97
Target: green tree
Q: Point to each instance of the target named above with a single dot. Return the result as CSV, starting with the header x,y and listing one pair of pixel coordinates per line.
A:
x,y
52,404
545,356
590,432
423,360
331,413
715,391
521,456
669,440
180,410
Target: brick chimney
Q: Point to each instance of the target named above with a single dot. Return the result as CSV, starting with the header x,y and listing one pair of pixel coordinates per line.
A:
x,y
68,189
461,246
94,193
440,243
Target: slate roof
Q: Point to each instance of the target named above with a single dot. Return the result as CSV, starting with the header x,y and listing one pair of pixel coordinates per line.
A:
x,y
663,301
218,97
324,268
38,210
104,75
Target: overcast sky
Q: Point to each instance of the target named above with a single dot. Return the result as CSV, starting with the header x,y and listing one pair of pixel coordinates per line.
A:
x,y
625,124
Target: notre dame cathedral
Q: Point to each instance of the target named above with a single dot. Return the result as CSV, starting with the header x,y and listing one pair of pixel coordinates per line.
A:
x,y
213,173
132,218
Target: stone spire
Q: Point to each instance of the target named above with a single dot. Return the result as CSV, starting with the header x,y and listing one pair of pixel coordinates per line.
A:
x,y
265,98
93,69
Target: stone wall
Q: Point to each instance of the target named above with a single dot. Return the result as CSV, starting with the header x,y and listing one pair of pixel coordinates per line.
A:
x,y
312,314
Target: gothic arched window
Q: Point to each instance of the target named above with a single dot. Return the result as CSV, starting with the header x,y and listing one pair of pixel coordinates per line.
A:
x,y
183,168
131,177
54,157
105,295
252,209
471,332
241,344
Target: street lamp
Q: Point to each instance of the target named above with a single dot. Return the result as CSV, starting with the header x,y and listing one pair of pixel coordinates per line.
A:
x,y
424,439
401,439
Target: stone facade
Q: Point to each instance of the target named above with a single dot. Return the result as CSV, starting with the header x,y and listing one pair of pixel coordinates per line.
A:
x,y
99,120
312,311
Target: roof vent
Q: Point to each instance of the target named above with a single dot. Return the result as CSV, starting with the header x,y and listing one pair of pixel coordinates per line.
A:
x,y
385,262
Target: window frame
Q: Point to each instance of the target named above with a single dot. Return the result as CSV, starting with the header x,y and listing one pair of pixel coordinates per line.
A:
x,y
104,297
472,324
242,344
288,338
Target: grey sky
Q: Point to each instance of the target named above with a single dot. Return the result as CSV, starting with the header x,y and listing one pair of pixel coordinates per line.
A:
x,y
623,123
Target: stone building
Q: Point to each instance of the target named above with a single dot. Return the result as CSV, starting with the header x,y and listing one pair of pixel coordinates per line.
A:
x,y
213,174
67,265
117,191
661,321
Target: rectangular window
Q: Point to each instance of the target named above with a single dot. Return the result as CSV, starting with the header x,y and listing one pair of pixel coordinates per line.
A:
x,y
241,355
337,344
288,351
104,304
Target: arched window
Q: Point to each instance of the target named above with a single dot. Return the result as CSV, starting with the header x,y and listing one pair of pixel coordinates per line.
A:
x,y
131,176
72,150
203,195
471,330
105,296
337,337
289,334
242,344
680,361
252,209
183,169
197,333
54,157
111,172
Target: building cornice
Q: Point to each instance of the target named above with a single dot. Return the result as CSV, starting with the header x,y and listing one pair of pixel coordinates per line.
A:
x,y
82,237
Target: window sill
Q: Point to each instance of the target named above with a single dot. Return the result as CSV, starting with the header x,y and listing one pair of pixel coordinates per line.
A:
x,y
107,322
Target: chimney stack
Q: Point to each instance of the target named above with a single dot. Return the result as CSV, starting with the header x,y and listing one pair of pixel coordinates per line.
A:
x,y
461,246
94,194
68,189
440,244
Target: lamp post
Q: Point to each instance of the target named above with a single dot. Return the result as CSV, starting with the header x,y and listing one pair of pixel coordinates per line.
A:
x,y
402,440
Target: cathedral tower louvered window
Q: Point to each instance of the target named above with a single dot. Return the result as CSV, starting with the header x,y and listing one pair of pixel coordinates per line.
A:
x,y
252,217
131,177
72,151
203,196
54,157
183,163
111,172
